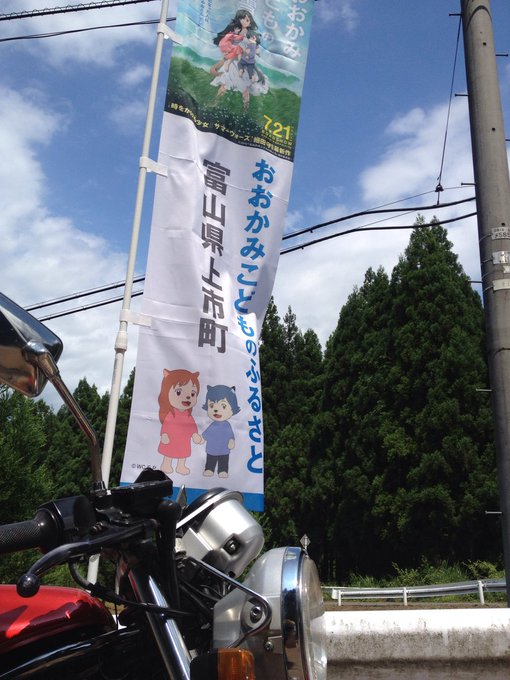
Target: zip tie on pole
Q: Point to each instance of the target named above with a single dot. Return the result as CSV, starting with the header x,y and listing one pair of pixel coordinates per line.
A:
x,y
129,316
169,34
153,166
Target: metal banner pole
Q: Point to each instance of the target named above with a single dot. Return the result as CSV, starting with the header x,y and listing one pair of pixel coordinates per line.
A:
x,y
121,343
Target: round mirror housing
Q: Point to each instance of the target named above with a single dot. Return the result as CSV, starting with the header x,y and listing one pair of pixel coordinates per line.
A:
x,y
24,342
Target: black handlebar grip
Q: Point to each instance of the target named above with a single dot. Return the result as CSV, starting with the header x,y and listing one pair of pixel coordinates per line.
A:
x,y
41,532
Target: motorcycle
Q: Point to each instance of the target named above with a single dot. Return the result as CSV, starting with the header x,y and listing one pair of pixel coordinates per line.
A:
x,y
183,611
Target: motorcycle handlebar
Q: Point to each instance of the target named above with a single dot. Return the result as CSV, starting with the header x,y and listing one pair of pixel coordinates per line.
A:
x,y
28,584
40,532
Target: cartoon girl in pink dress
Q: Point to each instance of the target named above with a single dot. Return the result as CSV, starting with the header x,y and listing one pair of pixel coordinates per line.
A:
x,y
178,394
229,39
230,47
228,77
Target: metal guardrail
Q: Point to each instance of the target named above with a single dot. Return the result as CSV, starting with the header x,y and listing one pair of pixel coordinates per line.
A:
x,y
340,594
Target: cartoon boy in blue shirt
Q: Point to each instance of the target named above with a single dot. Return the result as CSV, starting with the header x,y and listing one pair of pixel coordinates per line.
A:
x,y
220,404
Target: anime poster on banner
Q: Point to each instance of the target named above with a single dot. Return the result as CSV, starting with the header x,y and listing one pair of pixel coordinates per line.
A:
x,y
226,153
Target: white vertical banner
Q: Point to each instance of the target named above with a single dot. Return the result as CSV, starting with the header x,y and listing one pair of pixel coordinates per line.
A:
x,y
227,144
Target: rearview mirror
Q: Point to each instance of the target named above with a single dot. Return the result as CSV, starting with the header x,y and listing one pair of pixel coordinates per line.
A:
x,y
20,332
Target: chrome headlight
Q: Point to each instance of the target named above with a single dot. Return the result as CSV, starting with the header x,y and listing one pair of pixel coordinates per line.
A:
x,y
294,645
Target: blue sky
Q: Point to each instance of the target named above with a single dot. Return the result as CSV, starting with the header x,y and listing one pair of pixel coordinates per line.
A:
x,y
371,132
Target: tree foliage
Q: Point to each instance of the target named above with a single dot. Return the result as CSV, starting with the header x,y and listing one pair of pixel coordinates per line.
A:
x,y
25,477
380,448
399,447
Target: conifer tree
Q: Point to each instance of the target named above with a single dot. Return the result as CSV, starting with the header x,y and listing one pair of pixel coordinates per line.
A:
x,y
273,371
69,452
439,466
25,478
403,430
121,429
292,383
343,462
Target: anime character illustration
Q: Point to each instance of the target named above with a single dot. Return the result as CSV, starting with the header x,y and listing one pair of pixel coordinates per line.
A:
x,y
229,38
248,81
220,404
231,49
249,53
178,395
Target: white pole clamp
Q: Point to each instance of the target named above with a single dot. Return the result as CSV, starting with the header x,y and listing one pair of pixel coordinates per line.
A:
x,y
153,166
129,316
168,33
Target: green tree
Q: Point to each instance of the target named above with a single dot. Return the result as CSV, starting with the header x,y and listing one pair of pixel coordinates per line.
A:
x,y
439,466
25,481
69,453
273,370
344,461
403,431
121,430
291,366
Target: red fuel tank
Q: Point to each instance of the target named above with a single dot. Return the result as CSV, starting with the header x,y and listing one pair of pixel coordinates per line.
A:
x,y
52,611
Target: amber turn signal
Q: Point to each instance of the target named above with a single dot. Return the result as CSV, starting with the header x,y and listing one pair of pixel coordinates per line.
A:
x,y
223,664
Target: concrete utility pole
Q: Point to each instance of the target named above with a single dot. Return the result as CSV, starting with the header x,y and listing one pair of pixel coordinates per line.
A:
x,y
493,206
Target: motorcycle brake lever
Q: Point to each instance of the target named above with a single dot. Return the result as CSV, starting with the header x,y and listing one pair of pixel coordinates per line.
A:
x,y
28,585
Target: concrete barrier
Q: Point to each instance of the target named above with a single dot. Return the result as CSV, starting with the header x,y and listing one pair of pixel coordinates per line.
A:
x,y
461,644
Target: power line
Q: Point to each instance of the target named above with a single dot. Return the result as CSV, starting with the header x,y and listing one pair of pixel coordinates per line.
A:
x,y
369,211
100,4
291,249
439,187
374,211
84,308
111,3
35,36
83,293
363,229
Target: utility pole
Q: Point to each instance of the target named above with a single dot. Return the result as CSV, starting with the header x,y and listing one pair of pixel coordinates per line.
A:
x,y
493,207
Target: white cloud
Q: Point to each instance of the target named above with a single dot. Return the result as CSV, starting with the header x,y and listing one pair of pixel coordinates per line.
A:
x,y
338,11
138,74
412,161
128,116
293,221
44,256
23,126
96,47
316,281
